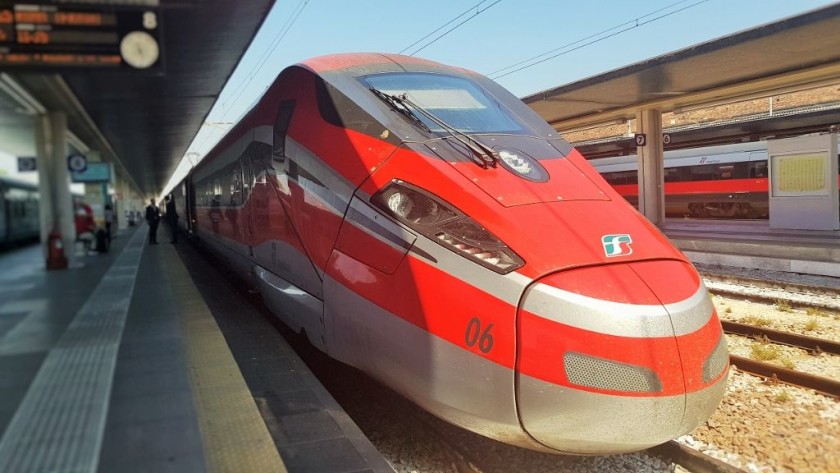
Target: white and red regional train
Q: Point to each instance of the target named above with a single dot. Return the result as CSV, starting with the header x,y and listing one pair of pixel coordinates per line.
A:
x,y
720,182
422,224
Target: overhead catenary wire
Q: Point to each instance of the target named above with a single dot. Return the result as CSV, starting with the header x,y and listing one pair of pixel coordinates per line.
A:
x,y
242,86
263,59
477,12
592,39
275,42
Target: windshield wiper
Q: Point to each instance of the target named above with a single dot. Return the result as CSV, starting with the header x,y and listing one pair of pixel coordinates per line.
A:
x,y
397,106
485,155
480,153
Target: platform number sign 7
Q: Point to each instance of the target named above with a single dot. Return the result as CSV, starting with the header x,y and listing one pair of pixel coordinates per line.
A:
x,y
641,139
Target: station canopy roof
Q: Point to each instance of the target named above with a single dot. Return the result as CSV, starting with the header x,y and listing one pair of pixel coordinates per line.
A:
x,y
791,53
149,119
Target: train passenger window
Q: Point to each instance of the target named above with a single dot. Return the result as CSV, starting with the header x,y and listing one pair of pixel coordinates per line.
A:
x,y
758,169
672,174
281,127
621,177
257,158
207,195
726,171
704,172
235,187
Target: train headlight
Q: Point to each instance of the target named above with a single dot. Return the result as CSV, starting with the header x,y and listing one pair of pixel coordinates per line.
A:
x,y
445,225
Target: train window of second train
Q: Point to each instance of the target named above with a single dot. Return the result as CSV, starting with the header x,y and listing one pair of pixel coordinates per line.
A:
x,y
457,101
672,175
758,169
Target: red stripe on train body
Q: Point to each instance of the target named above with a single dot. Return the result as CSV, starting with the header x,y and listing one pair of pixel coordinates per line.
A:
x,y
419,222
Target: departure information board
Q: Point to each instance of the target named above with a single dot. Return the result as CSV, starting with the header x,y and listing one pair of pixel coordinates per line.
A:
x,y
116,34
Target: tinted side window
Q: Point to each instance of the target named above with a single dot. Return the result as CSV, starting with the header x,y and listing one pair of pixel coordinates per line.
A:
x,y
758,169
621,177
281,127
235,186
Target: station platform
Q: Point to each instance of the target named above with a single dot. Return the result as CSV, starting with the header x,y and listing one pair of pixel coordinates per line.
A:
x,y
146,359
755,245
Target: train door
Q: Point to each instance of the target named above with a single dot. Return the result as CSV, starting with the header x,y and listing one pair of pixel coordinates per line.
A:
x,y
325,158
3,219
189,207
247,201
289,283
282,249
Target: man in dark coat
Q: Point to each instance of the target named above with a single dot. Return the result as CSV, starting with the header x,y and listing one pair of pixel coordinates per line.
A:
x,y
172,218
153,219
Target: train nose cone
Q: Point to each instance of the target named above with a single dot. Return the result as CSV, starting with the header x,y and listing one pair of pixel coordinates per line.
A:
x,y
618,358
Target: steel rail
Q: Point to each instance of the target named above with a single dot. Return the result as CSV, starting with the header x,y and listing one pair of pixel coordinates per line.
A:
x,y
691,459
770,300
820,384
786,338
777,285
771,284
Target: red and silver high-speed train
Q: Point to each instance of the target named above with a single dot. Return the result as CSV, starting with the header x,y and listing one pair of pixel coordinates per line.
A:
x,y
422,224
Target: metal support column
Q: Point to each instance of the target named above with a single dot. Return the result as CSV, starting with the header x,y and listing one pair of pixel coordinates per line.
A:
x,y
56,202
651,165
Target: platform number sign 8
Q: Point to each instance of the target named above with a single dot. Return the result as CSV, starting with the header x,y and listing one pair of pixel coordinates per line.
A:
x,y
475,335
150,20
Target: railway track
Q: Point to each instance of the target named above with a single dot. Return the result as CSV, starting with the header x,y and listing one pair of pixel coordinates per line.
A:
x,y
691,459
822,297
774,373
811,344
771,284
778,290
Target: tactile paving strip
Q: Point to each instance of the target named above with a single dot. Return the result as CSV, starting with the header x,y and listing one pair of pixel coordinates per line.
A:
x,y
61,420
233,433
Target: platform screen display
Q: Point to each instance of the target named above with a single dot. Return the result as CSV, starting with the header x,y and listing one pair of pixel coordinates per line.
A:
x,y
36,35
800,174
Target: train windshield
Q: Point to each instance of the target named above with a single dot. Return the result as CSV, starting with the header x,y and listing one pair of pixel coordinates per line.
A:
x,y
456,101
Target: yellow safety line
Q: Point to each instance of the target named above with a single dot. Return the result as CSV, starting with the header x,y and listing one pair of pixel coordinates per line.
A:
x,y
234,435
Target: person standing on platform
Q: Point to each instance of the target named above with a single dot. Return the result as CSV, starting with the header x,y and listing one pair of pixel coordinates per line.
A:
x,y
172,218
153,219
109,221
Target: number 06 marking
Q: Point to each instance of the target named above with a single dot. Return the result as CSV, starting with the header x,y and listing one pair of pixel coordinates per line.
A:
x,y
474,335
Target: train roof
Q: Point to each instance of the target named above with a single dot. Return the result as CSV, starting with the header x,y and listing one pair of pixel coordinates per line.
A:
x,y
370,63
752,151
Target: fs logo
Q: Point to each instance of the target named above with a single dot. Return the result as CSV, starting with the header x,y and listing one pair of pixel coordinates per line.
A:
x,y
617,245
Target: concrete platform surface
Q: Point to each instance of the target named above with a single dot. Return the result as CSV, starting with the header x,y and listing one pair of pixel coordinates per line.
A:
x,y
755,245
146,359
